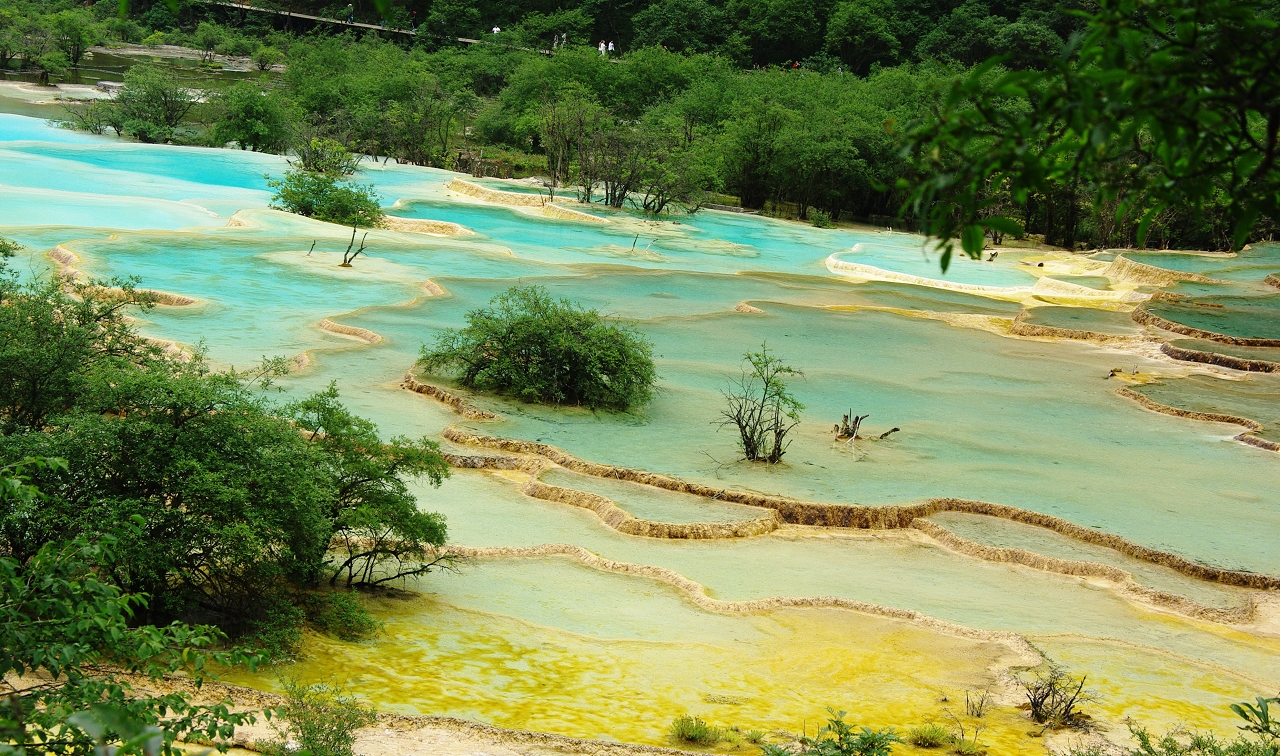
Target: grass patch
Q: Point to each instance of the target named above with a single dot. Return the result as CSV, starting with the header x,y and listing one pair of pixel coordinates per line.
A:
x,y
928,736
691,729
967,748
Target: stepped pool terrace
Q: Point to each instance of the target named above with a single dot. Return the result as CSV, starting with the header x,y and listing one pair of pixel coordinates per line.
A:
x,y
1026,507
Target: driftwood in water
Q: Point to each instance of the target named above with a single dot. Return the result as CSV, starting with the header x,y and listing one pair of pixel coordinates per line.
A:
x,y
847,430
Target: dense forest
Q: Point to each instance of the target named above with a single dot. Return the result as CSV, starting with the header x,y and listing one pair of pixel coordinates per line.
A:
x,y
787,105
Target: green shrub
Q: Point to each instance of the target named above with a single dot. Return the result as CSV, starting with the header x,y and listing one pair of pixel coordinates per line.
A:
x,y
542,349
691,729
1179,743
267,56
820,219
237,45
928,736
838,738
320,720
340,615
207,38
325,197
327,156
151,104
277,633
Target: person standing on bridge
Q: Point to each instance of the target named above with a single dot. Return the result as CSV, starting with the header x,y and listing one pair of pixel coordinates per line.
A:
x,y
351,13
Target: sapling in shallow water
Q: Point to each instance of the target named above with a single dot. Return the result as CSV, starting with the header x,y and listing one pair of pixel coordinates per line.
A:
x,y
761,408
348,256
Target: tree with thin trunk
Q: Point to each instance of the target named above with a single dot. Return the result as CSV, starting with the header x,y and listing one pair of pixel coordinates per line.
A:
x,y
761,408
348,256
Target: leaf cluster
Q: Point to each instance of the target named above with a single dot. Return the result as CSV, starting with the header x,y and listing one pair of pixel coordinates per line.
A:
x,y
68,644
1157,105
839,738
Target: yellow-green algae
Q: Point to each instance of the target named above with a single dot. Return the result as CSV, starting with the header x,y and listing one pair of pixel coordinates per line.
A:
x,y
614,677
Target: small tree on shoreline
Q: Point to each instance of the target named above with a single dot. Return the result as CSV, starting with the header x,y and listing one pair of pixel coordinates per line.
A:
x,y
761,408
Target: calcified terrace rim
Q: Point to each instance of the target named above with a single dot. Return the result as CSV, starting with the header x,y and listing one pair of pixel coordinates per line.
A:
x,y
455,402
1031,330
613,516
1124,580
1250,426
1221,360
697,594
607,510
624,522
853,516
1145,317
68,260
1132,271
547,205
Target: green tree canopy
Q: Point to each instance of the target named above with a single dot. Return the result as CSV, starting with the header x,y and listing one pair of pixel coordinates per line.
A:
x,y
1161,104
253,117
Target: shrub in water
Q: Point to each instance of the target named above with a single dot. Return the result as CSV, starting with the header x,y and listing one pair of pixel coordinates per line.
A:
x,y
542,349
340,614
1054,696
325,197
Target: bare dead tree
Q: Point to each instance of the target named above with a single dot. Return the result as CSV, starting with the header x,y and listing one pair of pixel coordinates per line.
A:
x,y
1053,697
